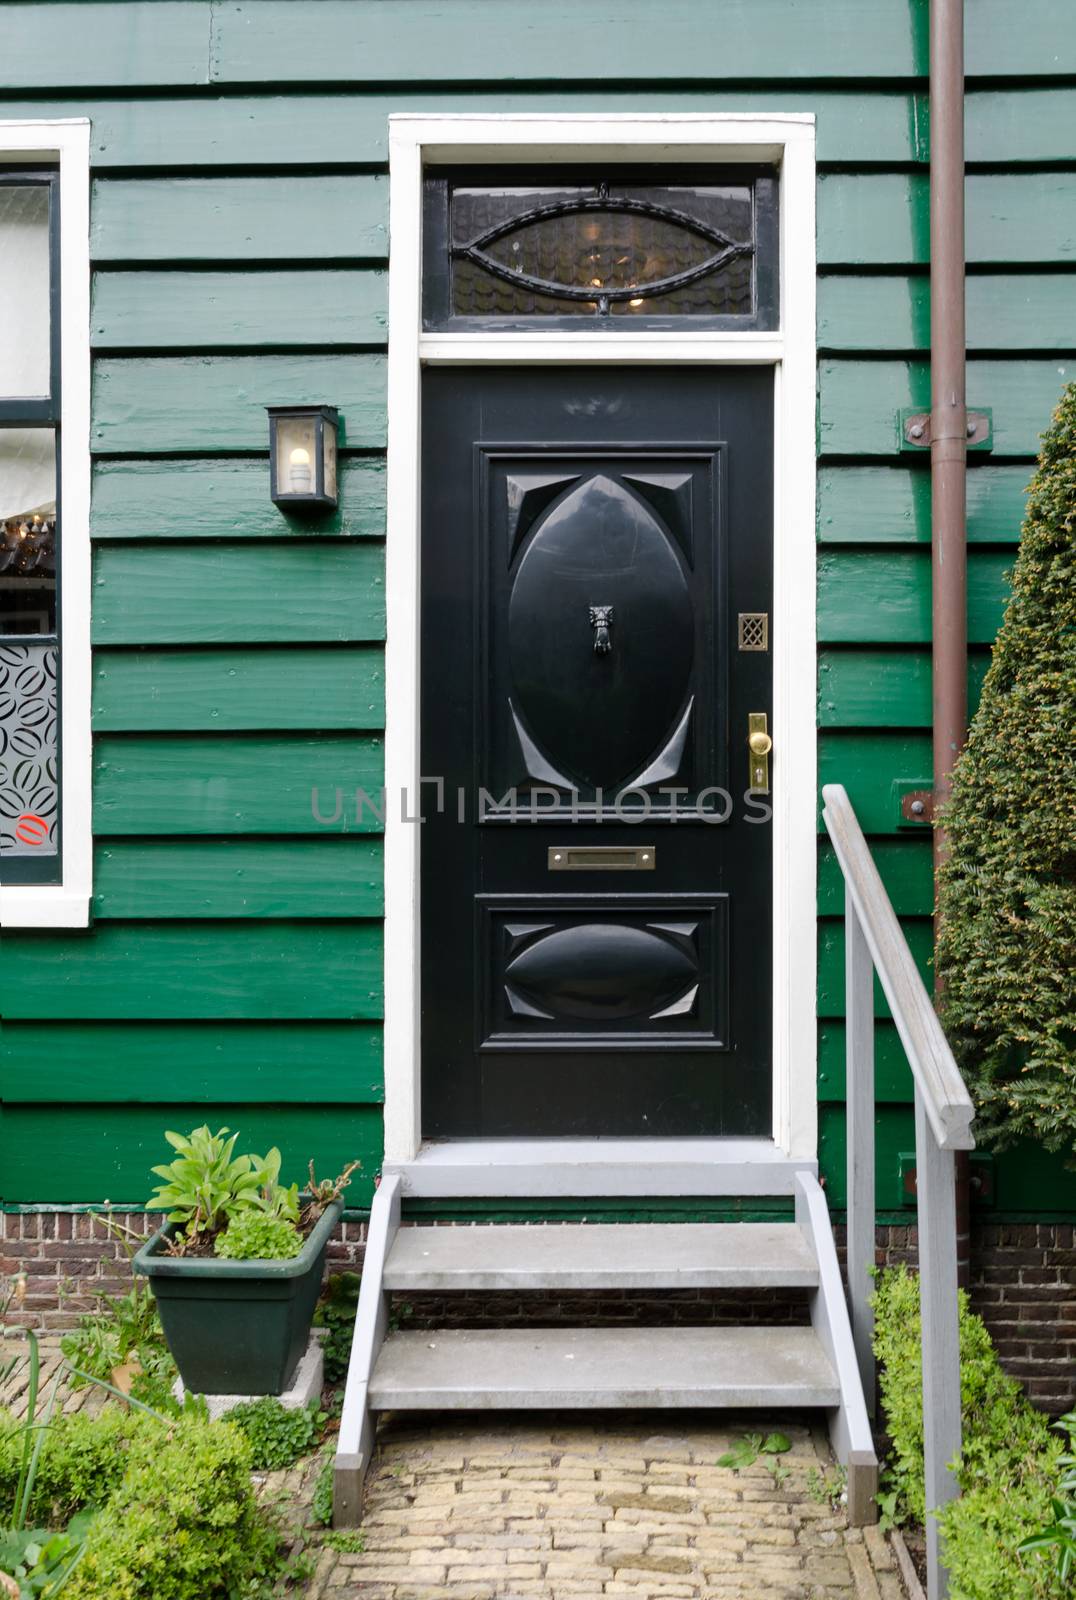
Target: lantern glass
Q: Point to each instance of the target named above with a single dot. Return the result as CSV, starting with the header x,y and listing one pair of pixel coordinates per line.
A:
x,y
328,447
296,455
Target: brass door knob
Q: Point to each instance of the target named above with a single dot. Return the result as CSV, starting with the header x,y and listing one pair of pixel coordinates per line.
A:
x,y
760,744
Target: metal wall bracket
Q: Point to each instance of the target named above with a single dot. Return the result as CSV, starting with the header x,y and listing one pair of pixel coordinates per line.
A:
x,y
914,430
915,802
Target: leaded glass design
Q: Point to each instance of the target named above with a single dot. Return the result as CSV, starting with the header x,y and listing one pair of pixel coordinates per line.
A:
x,y
615,249
28,793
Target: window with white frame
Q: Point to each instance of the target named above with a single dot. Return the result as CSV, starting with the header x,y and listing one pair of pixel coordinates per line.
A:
x,y
45,825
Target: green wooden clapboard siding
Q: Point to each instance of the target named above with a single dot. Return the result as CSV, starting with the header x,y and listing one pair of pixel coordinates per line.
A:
x,y
240,219
225,310
239,241
906,868
269,1062
871,765
224,593
167,879
165,691
93,1157
1027,1180
860,401
920,936
864,219
884,219
859,126
225,498
883,688
1025,311
156,784
892,1074
883,596
217,403
891,504
261,970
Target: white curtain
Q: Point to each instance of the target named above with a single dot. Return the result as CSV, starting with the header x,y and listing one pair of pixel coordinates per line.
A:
x,y
24,291
27,472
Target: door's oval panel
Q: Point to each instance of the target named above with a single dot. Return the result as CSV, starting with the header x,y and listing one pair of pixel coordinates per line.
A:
x,y
600,701
600,971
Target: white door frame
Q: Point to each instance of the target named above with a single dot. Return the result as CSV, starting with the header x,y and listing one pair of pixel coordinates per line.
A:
x,y
788,143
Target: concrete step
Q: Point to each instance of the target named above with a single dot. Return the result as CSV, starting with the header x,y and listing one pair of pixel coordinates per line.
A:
x,y
598,1368
735,1255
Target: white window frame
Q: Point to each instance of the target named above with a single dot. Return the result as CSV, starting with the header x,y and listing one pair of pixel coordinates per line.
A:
x,y
66,141
788,143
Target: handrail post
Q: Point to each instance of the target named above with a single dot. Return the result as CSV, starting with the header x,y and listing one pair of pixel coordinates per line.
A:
x,y
939,1304
859,1109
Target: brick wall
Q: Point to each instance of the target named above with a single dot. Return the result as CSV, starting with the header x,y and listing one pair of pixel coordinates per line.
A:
x,y
1023,1284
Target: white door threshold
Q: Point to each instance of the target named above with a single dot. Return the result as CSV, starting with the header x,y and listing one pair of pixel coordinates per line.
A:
x,y
584,1168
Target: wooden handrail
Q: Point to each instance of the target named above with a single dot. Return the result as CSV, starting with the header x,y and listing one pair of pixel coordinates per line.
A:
x,y
946,1100
874,942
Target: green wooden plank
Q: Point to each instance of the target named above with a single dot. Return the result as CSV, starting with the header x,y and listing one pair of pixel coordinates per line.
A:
x,y
226,310
884,688
891,505
883,596
262,970
272,41
1028,1180
225,593
177,405
229,498
918,931
167,691
907,869
104,44
170,879
860,401
854,125
871,766
884,219
115,1062
79,1156
1033,39
158,784
241,219
1005,126
1025,311
892,1075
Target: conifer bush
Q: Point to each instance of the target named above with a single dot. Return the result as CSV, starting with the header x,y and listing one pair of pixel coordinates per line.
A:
x,y
1007,941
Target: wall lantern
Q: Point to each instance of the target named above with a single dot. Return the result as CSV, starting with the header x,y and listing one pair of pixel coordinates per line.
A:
x,y
302,457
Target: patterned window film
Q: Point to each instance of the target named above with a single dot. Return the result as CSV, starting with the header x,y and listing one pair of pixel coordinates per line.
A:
x,y
29,529
542,249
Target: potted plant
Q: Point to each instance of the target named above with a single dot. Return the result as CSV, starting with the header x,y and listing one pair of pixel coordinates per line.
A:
x,y
237,1268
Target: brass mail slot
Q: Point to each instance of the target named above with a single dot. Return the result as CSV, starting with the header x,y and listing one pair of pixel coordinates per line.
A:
x,y
601,858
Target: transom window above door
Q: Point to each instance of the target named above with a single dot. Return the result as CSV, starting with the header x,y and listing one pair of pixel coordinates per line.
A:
x,y
541,248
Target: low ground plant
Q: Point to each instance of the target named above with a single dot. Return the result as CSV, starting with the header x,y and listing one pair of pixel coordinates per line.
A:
x,y
277,1436
1009,1460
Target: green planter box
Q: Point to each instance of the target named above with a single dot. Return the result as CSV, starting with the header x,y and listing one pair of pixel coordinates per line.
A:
x,y
237,1327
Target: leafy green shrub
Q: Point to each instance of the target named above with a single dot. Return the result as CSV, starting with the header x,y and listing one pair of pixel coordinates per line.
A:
x,y
336,1311
125,1328
205,1187
1008,1457
82,1460
183,1523
276,1436
1057,1538
254,1237
1007,944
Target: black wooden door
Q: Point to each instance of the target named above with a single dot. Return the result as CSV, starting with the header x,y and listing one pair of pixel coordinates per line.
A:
x,y
596,868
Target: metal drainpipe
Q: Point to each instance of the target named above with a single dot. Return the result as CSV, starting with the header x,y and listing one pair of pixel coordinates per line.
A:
x,y
948,444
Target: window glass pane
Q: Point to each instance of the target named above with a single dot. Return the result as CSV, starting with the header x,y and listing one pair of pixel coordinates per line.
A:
x,y
28,802
24,290
619,250
27,531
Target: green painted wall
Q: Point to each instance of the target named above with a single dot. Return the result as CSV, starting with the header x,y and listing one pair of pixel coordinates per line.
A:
x,y
239,225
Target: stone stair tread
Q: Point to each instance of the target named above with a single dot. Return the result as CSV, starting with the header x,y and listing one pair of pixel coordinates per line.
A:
x,y
704,1255
576,1368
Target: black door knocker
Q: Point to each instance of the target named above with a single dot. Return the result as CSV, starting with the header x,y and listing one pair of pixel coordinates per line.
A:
x,y
601,620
